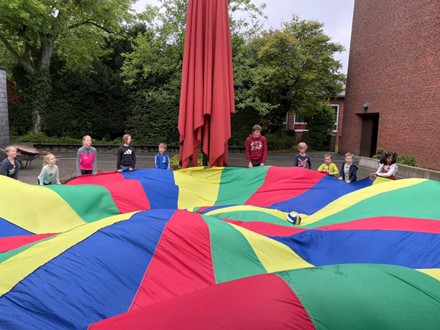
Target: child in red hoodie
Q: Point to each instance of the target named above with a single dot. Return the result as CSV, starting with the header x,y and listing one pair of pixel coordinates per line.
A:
x,y
256,148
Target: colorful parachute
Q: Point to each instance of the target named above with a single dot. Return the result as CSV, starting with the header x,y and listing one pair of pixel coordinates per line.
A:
x,y
211,248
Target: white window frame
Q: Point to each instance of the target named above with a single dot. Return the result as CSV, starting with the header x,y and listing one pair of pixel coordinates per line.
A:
x,y
336,126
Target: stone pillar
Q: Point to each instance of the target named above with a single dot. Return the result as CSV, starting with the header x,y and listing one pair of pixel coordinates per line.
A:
x,y
4,121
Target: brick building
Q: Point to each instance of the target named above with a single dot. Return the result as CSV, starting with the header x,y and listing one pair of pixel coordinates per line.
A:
x,y
4,121
393,87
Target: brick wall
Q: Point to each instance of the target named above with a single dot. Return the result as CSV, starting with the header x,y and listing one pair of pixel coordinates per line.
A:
x,y
4,122
12,93
394,65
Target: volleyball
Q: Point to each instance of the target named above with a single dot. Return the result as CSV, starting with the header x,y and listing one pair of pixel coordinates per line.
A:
x,y
294,218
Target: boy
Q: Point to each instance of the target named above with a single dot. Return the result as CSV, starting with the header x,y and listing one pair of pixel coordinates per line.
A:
x,y
301,158
162,160
86,159
256,148
10,166
348,169
328,166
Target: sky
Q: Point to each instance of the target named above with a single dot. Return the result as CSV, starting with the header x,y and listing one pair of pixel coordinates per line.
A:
x,y
336,15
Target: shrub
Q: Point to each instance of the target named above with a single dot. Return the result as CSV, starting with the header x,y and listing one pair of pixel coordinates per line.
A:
x,y
407,160
20,118
280,141
32,137
378,153
241,126
401,159
320,123
175,162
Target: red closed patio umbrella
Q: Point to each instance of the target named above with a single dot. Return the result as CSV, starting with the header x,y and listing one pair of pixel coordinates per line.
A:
x,y
207,91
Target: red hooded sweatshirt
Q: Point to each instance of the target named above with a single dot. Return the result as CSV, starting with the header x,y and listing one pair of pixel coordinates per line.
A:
x,y
256,148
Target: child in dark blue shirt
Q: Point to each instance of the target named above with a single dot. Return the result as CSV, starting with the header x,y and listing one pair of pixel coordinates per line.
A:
x,y
301,158
10,166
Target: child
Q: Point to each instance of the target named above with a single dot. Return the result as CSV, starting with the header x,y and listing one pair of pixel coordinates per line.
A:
x,y
126,155
162,160
388,167
86,158
49,173
328,166
348,169
256,148
10,166
301,158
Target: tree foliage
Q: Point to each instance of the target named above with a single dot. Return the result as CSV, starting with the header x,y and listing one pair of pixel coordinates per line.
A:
x,y
154,67
294,70
80,67
320,123
32,30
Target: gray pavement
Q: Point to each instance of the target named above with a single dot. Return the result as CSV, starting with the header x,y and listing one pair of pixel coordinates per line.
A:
x,y
107,162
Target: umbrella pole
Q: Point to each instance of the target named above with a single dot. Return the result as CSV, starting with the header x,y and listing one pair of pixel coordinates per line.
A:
x,y
205,157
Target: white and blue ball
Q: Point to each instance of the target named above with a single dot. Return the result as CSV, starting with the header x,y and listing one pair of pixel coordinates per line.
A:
x,y
294,218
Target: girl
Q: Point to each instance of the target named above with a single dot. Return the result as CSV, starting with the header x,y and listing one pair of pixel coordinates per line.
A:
x,y
126,155
86,158
10,166
49,173
387,167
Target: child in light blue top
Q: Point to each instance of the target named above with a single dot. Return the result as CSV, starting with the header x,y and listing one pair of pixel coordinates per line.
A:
x,y
49,173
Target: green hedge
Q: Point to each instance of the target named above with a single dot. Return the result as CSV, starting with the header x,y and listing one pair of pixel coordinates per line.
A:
x,y
280,142
401,159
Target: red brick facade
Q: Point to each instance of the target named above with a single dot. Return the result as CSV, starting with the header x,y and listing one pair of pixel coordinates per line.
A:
x,y
394,66
12,94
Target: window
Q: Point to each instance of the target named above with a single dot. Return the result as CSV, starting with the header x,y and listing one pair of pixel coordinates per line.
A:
x,y
298,120
335,107
299,123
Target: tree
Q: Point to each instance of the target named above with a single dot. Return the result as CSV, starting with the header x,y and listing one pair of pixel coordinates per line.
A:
x,y
320,123
154,68
295,70
32,30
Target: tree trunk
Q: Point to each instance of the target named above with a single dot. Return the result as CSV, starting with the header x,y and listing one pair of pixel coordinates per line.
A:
x,y
37,121
39,97
46,53
41,88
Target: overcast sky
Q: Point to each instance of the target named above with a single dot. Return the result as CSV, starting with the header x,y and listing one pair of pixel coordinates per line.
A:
x,y
336,15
